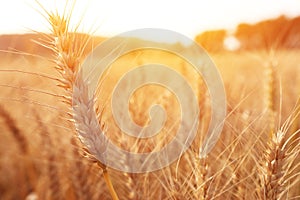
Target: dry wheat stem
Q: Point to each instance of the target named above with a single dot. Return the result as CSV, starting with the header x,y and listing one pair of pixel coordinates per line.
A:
x,y
109,183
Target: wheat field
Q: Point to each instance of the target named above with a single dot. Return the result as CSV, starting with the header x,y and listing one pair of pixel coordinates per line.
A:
x,y
43,155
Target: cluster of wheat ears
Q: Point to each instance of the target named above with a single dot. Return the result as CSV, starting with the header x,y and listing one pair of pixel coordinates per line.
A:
x,y
43,155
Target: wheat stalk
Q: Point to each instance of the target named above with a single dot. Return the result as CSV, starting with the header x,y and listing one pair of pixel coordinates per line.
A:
x,y
68,52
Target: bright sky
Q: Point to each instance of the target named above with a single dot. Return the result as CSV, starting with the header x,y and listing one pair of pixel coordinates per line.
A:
x,y
188,17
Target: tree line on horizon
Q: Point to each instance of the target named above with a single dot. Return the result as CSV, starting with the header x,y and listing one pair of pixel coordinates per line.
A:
x,y
282,32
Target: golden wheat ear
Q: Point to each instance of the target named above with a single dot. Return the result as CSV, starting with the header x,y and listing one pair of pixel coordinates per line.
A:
x,y
68,47
278,169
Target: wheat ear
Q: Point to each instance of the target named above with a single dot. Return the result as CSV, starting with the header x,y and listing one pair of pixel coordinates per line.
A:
x,y
277,169
272,169
202,176
88,128
69,51
16,132
23,147
271,94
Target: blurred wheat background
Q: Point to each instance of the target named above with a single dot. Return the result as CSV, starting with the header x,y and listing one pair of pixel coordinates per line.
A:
x,y
257,156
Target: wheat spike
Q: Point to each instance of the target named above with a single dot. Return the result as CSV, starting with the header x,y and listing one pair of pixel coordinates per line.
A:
x,y
69,51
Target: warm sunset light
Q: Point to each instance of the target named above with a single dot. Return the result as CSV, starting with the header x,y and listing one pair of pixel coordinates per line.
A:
x,y
109,18
150,100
